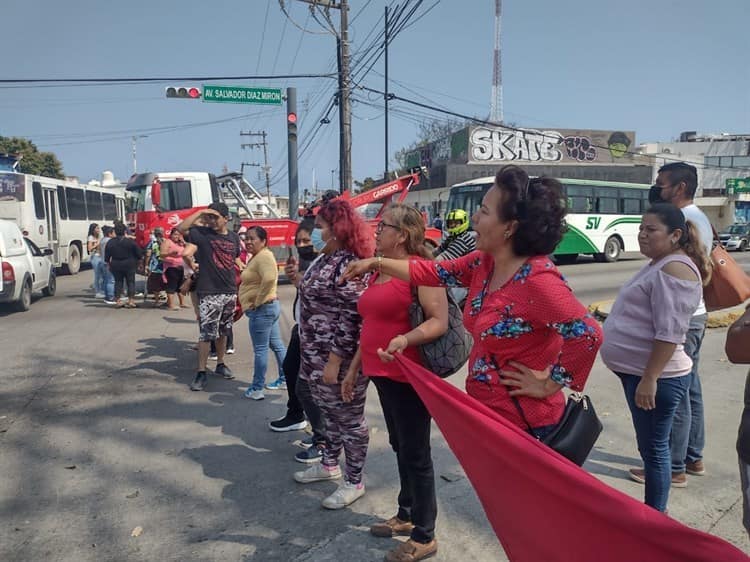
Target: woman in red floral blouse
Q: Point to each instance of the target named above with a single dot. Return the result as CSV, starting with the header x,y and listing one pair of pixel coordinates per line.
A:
x,y
532,337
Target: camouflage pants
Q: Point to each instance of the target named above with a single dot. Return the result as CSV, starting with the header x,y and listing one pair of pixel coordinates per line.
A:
x,y
346,427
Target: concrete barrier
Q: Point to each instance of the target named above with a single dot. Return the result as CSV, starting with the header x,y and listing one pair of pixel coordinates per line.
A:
x,y
716,319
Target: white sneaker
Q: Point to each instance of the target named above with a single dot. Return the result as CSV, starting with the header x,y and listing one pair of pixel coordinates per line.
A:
x,y
254,394
317,473
99,295
346,494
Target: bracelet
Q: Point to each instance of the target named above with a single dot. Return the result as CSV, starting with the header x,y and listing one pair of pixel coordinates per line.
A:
x,y
380,264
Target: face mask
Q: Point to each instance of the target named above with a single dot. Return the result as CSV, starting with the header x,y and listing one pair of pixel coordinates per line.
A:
x,y
316,237
306,253
654,195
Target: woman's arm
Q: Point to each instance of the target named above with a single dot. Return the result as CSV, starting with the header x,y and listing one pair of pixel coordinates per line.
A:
x,y
266,268
350,380
92,245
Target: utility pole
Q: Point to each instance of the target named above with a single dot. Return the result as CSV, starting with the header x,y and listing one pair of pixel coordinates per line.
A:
x,y
135,140
385,94
266,167
344,93
291,128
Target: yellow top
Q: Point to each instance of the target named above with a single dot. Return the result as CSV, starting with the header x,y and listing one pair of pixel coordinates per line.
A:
x,y
259,280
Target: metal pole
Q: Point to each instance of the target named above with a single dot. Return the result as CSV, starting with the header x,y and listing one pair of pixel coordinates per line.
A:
x,y
135,165
345,101
266,168
385,95
291,107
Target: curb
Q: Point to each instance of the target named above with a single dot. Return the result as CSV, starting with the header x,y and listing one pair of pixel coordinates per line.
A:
x,y
716,319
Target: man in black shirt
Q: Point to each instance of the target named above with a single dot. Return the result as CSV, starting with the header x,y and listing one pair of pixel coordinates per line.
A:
x,y
217,250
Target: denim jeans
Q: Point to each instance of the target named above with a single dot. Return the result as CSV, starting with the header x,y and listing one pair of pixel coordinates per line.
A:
x,y
265,333
688,430
652,428
108,282
96,265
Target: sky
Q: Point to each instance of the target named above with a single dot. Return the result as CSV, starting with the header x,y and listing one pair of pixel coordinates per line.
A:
x,y
658,67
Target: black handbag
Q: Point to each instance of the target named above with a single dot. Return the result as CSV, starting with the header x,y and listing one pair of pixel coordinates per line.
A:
x,y
576,432
448,353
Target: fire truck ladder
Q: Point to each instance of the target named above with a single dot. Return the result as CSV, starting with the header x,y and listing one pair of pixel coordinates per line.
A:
x,y
234,186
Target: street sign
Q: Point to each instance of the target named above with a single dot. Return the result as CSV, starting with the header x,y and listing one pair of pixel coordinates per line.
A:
x,y
239,94
738,185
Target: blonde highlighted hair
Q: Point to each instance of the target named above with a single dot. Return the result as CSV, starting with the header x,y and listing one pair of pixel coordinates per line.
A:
x,y
411,223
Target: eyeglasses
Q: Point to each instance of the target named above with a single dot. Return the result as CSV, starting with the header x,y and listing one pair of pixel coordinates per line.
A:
x,y
382,225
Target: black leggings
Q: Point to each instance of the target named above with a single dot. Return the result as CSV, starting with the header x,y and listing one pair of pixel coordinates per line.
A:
x,y
127,277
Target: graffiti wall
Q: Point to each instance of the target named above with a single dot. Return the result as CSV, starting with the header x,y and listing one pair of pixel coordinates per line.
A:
x,y
492,145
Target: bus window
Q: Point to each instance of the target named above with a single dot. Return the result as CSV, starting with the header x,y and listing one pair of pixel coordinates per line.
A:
x,y
76,204
631,206
94,205
608,205
38,200
579,204
175,195
63,208
110,207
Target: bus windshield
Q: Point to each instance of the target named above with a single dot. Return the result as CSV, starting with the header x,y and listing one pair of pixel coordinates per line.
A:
x,y
136,198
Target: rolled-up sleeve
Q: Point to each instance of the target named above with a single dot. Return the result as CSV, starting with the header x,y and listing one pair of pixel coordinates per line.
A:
x,y
447,273
673,302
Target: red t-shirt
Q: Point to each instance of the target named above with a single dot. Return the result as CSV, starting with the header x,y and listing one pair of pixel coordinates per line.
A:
x,y
384,308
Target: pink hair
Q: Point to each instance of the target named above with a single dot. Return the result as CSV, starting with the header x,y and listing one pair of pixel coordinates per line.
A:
x,y
349,228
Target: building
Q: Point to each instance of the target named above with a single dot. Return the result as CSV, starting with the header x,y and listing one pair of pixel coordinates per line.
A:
x,y
723,164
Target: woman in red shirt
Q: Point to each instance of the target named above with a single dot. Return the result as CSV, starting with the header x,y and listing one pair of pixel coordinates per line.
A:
x,y
532,337
386,329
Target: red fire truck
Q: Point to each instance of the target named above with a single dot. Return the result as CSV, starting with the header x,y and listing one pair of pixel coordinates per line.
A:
x,y
166,198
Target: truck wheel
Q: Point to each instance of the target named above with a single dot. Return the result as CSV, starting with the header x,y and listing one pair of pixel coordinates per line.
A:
x,y
611,252
74,260
51,288
24,301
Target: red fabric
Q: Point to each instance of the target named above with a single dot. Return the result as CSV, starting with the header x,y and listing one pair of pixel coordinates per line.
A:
x,y
533,319
384,308
543,507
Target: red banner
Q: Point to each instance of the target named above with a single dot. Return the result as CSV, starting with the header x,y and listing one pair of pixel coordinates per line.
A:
x,y
543,507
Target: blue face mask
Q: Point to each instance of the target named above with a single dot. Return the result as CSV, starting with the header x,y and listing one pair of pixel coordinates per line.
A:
x,y
316,237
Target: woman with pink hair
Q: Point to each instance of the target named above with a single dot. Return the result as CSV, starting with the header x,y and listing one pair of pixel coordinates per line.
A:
x,y
329,326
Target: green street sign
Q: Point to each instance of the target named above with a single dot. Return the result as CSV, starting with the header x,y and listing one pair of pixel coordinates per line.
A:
x,y
738,185
239,94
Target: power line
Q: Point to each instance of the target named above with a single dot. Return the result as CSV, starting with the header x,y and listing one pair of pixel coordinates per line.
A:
x,y
263,36
541,133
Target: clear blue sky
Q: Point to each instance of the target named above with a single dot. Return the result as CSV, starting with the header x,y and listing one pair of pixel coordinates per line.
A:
x,y
658,67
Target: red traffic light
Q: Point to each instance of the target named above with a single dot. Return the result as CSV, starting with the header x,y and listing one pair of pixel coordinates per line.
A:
x,y
189,92
291,118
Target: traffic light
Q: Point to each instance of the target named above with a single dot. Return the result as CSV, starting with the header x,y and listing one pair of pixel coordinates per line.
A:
x,y
187,92
291,125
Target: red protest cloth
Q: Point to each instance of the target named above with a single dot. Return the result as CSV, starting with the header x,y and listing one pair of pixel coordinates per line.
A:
x,y
544,508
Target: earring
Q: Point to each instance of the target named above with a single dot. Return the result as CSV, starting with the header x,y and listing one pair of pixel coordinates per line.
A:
x,y
507,234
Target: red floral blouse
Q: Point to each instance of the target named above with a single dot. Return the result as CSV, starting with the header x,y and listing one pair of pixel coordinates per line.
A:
x,y
533,319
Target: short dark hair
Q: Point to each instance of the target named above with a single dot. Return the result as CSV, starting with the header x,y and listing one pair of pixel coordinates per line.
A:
x,y
119,229
537,205
220,208
260,232
682,172
106,229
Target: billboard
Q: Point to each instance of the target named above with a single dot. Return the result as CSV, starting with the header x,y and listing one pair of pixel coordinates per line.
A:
x,y
500,145
12,186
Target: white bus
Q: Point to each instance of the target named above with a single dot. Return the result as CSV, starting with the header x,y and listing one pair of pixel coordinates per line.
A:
x,y
603,216
56,213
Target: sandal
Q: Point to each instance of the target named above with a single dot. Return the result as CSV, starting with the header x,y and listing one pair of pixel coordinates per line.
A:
x,y
131,305
174,308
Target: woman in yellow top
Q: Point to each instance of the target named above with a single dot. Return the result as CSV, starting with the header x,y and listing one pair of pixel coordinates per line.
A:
x,y
258,298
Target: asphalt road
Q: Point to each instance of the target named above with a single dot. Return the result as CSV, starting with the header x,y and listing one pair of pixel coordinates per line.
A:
x,y
99,436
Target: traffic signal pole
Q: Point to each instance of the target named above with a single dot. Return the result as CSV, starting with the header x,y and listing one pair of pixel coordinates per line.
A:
x,y
291,123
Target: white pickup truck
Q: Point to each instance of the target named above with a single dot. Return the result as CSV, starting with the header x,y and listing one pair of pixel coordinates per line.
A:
x,y
25,268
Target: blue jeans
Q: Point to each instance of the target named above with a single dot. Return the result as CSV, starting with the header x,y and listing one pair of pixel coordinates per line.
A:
x,y
108,282
652,428
96,265
688,430
265,333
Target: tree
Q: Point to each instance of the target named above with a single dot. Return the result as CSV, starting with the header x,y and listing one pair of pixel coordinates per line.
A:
x,y
366,184
428,131
33,162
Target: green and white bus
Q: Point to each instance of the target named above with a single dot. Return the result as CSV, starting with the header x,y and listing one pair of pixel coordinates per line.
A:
x,y
603,216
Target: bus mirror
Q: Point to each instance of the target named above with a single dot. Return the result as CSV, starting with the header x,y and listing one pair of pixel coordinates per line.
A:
x,y
156,193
